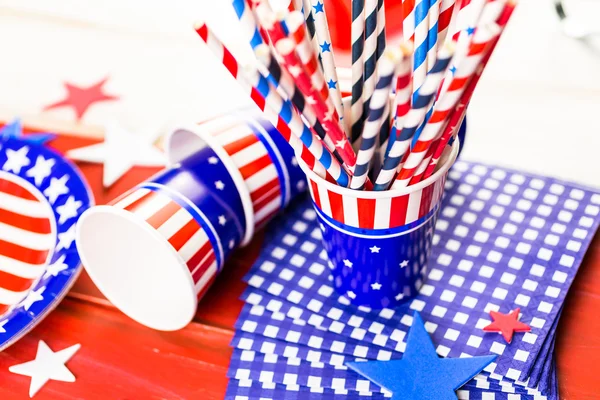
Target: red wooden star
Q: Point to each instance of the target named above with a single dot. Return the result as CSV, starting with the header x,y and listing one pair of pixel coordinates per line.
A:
x,y
81,98
507,324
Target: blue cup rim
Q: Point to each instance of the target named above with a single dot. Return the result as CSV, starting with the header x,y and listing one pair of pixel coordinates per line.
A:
x,y
175,155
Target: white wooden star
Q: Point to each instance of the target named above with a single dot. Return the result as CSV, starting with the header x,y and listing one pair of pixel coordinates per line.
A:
x,y
66,239
120,151
220,185
68,210
16,159
46,366
404,264
32,297
57,188
41,170
348,263
56,267
376,286
222,220
374,249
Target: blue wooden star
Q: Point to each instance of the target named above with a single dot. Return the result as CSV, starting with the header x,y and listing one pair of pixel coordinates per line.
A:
x,y
15,130
420,374
319,7
325,47
331,84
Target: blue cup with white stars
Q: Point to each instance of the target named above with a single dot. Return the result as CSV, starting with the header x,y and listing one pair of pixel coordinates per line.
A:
x,y
378,243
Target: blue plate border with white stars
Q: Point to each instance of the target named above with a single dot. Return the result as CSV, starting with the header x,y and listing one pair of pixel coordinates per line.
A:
x,y
68,194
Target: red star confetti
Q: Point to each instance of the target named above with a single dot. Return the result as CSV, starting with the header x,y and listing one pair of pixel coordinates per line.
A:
x,y
507,324
81,98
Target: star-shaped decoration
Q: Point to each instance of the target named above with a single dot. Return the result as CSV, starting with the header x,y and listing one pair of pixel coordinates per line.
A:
x,y
57,188
332,84
41,170
81,98
66,239
347,263
220,185
329,115
351,294
318,7
470,30
374,249
46,366
68,210
32,297
453,69
213,160
325,47
295,70
341,143
222,220
120,151
376,286
16,159
420,374
399,296
2,323
404,264
15,130
507,324
56,267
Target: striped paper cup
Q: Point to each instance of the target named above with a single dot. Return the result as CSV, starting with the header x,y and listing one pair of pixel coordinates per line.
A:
x,y
155,250
257,154
378,243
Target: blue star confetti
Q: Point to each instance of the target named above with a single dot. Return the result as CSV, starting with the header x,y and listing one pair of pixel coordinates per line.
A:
x,y
15,130
503,240
421,374
332,84
319,7
325,47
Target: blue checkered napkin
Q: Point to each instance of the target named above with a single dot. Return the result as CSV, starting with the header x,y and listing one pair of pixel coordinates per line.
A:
x,y
544,363
250,390
275,305
513,242
261,322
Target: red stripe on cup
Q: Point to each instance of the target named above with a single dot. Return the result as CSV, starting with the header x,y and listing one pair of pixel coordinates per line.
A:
x,y
315,193
163,215
240,144
202,269
184,234
366,213
398,211
337,206
255,166
426,200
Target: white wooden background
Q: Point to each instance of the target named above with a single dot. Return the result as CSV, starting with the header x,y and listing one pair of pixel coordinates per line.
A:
x,y
536,109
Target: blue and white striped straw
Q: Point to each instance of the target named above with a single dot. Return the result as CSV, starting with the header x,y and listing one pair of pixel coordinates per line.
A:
x,y
248,22
377,106
358,44
291,117
415,117
420,67
370,53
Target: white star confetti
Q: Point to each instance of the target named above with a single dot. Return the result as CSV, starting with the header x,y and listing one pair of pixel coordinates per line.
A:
x,y
220,185
57,188
16,160
374,249
404,264
376,286
348,263
222,220
41,170
48,365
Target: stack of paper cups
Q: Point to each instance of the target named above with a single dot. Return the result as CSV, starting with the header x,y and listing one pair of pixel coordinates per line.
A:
x,y
155,251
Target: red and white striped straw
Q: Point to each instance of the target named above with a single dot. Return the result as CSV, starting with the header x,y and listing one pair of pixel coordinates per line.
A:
x,y
286,49
446,103
458,114
408,20
227,59
446,11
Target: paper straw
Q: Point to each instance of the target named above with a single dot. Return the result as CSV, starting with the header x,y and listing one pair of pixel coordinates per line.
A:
x,y
277,111
370,54
459,112
408,20
414,118
248,22
432,35
402,98
384,132
327,54
309,61
309,19
420,67
286,48
375,117
446,11
358,43
446,103
284,84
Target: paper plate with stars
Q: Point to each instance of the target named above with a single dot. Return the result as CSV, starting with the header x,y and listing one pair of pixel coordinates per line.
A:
x,y
41,197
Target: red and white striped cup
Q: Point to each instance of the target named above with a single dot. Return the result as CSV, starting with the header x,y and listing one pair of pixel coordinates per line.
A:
x,y
378,242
